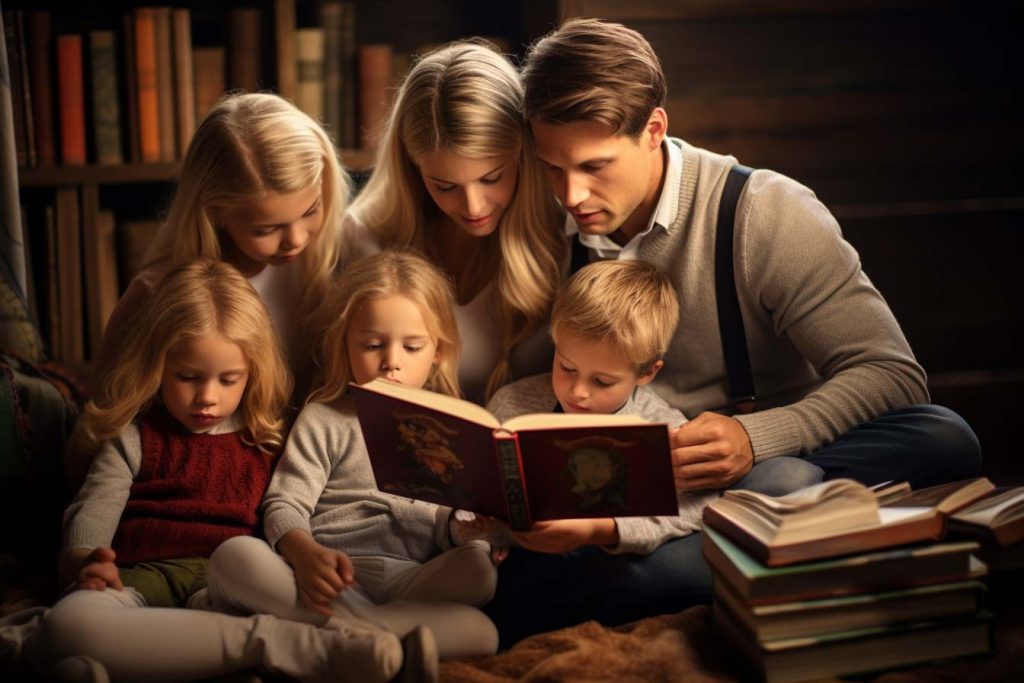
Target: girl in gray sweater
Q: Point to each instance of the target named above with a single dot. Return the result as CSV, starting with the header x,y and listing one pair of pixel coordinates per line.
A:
x,y
341,541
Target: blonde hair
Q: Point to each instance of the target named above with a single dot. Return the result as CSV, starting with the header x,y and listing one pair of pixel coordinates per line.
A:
x,y
626,303
386,274
199,298
592,70
247,146
466,99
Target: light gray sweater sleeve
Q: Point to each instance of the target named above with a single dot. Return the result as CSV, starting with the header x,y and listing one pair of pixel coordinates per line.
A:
x,y
811,281
91,519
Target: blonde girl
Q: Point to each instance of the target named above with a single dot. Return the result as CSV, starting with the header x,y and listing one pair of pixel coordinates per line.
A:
x,y
262,189
455,178
343,544
188,425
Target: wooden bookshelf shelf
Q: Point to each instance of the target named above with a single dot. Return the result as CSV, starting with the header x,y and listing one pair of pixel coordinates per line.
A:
x,y
58,176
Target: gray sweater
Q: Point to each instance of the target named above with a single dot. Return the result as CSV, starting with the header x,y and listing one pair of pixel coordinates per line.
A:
x,y
826,352
636,534
324,485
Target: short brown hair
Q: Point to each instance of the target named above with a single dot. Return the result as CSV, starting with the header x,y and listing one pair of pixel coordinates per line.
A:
x,y
629,304
592,70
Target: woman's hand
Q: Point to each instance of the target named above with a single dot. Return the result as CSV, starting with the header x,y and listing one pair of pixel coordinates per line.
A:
x,y
562,535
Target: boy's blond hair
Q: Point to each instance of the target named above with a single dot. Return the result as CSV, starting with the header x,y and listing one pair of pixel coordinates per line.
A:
x,y
628,304
592,70
389,273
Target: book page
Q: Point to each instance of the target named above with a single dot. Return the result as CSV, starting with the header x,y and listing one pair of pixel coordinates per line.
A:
x,y
565,420
994,508
435,401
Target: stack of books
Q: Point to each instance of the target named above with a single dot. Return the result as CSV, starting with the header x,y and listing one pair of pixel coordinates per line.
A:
x,y
830,581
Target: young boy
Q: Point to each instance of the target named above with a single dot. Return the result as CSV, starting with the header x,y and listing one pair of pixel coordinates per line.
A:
x,y
611,324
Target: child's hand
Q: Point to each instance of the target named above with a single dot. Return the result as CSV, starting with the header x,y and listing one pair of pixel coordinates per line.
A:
x,y
563,535
320,573
99,571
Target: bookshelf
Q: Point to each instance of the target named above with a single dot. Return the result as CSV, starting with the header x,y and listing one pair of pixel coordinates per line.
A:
x,y
106,101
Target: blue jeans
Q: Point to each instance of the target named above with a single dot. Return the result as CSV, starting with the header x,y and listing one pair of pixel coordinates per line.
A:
x,y
538,592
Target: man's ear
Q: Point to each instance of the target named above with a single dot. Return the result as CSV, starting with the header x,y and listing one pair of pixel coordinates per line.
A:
x,y
648,376
657,127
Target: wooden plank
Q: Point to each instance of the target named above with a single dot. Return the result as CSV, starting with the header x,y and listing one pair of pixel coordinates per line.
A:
x,y
659,10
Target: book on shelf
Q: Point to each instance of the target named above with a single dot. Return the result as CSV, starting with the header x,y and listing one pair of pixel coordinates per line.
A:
x,y
209,64
71,99
106,115
997,519
40,45
69,268
21,102
100,267
854,651
53,326
309,95
285,39
164,82
449,451
810,618
134,239
335,69
375,80
146,87
245,27
184,78
756,583
130,91
830,519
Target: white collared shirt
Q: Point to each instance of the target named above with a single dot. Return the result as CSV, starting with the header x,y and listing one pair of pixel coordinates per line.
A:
x,y
664,213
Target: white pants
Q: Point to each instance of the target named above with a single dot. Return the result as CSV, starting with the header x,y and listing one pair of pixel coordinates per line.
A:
x,y
139,643
246,576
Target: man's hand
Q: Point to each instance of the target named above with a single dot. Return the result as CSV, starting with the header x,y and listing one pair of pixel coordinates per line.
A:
x,y
320,573
563,535
710,452
99,571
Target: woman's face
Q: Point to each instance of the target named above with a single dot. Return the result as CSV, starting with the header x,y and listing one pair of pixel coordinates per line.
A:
x,y
474,193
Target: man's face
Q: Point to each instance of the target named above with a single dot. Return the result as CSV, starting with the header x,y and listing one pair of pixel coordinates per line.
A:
x,y
607,182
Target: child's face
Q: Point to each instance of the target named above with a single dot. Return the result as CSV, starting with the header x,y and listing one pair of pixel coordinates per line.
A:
x,y
474,193
388,338
275,228
203,382
592,376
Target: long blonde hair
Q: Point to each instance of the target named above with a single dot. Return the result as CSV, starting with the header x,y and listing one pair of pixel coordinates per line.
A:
x,y
386,274
202,297
249,145
466,99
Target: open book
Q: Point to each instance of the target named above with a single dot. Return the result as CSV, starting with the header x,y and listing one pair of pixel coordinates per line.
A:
x,y
834,518
998,517
445,450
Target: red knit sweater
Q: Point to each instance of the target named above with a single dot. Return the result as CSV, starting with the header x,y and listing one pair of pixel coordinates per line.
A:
x,y
192,492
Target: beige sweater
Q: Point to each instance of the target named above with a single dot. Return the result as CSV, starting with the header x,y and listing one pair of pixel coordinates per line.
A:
x,y
826,352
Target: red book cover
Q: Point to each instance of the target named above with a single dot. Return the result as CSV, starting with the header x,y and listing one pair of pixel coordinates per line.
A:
x,y
146,84
71,96
452,452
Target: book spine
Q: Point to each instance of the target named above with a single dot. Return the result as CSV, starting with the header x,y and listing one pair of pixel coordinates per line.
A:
x,y
130,96
507,448
106,119
284,35
244,48
209,70
14,74
70,90
375,71
310,93
53,332
347,134
69,265
146,85
330,19
184,81
165,82
40,39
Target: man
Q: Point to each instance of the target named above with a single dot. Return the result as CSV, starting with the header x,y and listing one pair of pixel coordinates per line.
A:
x,y
836,381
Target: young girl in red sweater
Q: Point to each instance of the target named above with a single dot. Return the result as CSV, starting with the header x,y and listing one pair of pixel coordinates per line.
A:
x,y
186,438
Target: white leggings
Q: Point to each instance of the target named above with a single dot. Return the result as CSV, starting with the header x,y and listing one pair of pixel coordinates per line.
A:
x,y
246,576
157,644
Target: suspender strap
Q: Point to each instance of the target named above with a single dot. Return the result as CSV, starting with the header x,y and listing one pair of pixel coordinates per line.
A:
x,y
580,255
730,319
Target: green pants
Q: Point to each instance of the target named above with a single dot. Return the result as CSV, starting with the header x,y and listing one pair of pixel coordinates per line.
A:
x,y
167,583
